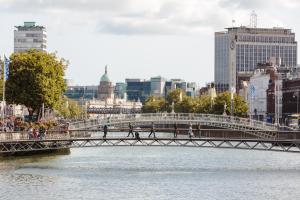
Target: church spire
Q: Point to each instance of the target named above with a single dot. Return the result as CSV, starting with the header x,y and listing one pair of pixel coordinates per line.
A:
x,y
105,69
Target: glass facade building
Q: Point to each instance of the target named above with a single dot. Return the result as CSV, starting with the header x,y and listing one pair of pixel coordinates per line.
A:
x,y
240,49
138,89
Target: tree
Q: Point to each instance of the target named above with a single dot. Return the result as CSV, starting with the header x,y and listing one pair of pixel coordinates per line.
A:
x,y
35,78
154,105
203,104
187,105
175,96
68,108
240,106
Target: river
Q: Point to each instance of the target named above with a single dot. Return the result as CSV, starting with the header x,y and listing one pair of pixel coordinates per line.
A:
x,y
152,173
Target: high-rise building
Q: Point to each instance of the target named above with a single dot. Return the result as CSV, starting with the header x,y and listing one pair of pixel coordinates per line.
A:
x,y
30,36
239,49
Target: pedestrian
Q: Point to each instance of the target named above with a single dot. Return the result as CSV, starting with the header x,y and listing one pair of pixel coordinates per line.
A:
x,y
130,130
34,133
199,130
105,128
42,132
152,131
137,136
30,133
175,130
191,134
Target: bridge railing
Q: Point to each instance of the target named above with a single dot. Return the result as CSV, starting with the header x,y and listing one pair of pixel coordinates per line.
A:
x,y
192,117
19,136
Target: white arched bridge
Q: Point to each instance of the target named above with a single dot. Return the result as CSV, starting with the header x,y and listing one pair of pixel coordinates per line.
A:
x,y
252,127
211,131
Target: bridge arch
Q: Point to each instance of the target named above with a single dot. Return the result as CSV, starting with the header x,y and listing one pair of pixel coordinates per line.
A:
x,y
245,125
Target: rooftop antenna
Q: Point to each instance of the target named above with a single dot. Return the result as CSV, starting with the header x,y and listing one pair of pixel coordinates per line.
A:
x,y
253,19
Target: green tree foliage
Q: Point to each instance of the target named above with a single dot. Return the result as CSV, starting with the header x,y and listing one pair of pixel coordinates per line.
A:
x,y
35,77
154,105
175,96
203,104
187,105
240,106
68,108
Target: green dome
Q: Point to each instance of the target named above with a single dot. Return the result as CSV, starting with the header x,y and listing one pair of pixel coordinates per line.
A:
x,y
104,77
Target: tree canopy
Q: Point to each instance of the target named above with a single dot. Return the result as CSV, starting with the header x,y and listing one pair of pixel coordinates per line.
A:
x,y
35,77
203,104
69,108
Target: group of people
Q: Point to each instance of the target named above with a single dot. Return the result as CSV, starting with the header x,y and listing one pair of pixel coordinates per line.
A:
x,y
34,133
152,131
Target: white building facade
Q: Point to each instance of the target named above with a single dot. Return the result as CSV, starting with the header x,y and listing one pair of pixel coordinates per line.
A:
x,y
30,36
257,94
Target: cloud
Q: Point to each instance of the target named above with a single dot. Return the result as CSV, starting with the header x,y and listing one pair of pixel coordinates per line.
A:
x,y
136,17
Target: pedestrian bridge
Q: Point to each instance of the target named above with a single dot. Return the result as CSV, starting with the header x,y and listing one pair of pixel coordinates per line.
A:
x,y
252,127
10,147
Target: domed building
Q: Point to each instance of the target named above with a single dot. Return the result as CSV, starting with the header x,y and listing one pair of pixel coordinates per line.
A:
x,y
105,89
108,103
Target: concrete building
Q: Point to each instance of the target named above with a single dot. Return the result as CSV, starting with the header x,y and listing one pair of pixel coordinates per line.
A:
x,y
239,49
30,36
257,93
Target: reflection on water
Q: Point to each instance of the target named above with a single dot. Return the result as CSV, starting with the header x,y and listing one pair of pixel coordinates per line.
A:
x,y
152,173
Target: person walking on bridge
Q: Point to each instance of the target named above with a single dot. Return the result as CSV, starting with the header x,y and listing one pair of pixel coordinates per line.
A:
x,y
191,134
152,131
199,130
175,130
130,130
105,129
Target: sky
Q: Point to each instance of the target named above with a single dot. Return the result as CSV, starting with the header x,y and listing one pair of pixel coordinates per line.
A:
x,y
139,38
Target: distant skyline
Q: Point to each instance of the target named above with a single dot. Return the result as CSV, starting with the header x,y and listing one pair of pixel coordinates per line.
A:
x,y
139,38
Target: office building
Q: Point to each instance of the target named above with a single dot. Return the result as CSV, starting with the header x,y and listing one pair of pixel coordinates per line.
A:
x,y
81,92
120,90
239,49
138,89
157,86
30,36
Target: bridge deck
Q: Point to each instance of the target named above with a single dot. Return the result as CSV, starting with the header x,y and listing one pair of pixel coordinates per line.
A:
x,y
250,144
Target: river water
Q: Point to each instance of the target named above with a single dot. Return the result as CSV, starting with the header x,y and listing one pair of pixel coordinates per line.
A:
x,y
152,173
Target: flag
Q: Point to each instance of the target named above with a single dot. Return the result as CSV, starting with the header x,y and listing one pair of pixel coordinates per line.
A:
x,y
6,69
252,91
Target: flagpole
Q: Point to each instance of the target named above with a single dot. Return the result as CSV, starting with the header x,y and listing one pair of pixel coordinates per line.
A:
x,y
3,95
